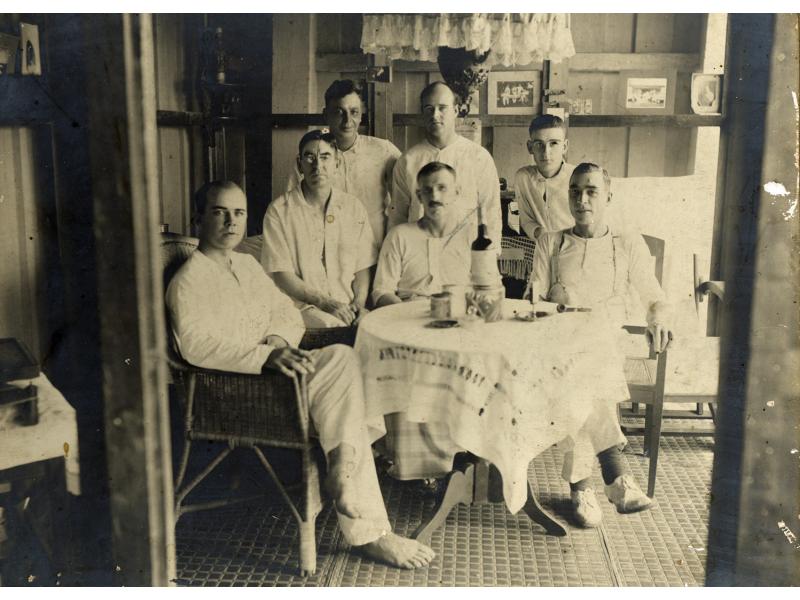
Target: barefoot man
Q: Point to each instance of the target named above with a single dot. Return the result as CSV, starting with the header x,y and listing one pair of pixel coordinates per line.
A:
x,y
227,314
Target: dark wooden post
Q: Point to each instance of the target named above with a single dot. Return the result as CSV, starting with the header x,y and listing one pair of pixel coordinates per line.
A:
x,y
754,529
124,173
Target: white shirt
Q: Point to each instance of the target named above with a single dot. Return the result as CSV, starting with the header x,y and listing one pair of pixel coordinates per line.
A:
x,y
325,253
365,171
221,317
476,175
413,260
543,201
613,272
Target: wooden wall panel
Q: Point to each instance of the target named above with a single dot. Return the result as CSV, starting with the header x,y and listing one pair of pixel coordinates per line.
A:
x,y
510,152
294,85
22,237
170,59
177,181
601,88
605,146
654,32
602,32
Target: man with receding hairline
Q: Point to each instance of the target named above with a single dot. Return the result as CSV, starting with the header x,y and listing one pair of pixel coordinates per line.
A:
x,y
227,314
476,170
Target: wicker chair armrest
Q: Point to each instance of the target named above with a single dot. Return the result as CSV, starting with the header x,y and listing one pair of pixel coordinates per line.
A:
x,y
267,407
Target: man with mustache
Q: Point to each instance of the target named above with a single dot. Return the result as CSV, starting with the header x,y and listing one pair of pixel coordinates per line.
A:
x,y
419,258
227,314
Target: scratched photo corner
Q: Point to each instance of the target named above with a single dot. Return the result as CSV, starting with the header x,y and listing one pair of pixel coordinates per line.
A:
x,y
432,300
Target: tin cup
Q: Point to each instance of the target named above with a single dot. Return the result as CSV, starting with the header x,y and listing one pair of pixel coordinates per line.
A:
x,y
458,299
440,305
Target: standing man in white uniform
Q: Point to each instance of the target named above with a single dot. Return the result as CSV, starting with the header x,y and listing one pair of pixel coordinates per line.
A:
x,y
365,162
541,189
477,174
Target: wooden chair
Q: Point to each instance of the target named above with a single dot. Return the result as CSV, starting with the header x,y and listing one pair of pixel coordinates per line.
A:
x,y
247,411
687,372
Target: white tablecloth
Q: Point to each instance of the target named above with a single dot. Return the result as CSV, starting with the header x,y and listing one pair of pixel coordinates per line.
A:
x,y
56,434
507,390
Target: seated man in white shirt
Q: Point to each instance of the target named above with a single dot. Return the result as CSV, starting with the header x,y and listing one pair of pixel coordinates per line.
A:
x,y
590,265
418,258
541,189
366,162
318,242
227,314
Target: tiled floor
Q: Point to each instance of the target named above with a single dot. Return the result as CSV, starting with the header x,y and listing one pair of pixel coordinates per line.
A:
x,y
479,545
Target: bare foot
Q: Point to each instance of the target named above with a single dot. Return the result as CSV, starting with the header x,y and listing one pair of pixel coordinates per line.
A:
x,y
399,551
339,482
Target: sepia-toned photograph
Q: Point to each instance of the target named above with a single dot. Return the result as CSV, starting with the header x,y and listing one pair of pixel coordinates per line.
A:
x,y
399,299
514,93
646,93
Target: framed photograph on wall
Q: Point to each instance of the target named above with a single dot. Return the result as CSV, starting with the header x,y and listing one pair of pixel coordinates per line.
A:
x,y
514,92
706,90
647,93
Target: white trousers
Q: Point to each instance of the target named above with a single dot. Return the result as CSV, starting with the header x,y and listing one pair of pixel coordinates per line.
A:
x,y
600,432
336,405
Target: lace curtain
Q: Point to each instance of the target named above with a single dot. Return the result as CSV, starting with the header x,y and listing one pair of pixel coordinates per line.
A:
x,y
517,39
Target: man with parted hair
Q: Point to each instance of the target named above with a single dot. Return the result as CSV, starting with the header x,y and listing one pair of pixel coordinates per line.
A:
x,y
418,258
590,265
476,170
318,242
365,162
227,314
541,188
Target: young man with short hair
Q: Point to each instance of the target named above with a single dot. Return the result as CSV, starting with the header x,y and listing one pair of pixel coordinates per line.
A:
x,y
590,265
227,314
318,243
476,170
541,189
365,162
419,258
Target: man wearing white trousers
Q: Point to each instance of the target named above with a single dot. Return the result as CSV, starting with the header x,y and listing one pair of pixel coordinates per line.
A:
x,y
227,314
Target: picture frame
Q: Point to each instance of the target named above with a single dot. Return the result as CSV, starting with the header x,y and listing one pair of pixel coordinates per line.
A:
x,y
647,92
706,93
514,92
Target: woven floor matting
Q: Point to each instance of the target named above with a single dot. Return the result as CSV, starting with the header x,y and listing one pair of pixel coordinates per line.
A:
x,y
255,544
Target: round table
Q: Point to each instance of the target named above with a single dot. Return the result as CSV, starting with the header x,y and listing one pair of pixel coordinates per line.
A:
x,y
506,391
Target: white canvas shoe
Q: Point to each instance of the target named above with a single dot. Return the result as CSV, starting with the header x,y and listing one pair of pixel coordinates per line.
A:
x,y
587,509
627,496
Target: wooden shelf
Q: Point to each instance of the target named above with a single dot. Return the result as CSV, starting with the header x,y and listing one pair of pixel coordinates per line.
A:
x,y
415,120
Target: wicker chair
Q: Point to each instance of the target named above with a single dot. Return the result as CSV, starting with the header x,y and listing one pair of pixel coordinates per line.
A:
x,y
248,411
